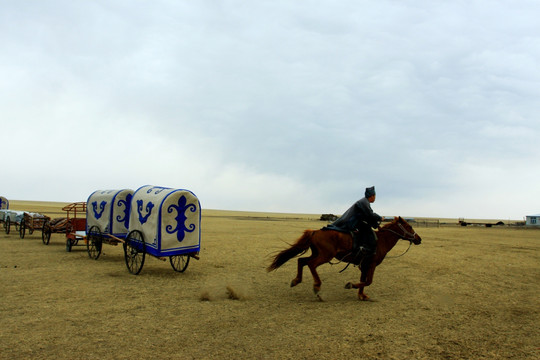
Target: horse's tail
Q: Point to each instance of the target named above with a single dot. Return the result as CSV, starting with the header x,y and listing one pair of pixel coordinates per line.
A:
x,y
298,248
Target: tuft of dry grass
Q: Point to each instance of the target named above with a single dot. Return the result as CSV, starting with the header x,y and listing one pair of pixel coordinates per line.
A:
x,y
205,296
236,292
232,294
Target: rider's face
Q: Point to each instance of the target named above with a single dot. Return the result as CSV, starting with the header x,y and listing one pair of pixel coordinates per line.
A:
x,y
371,199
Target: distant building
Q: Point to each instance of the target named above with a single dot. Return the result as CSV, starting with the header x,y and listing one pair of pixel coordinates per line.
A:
x,y
532,220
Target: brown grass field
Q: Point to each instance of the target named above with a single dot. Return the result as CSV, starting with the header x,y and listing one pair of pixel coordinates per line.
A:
x,y
464,293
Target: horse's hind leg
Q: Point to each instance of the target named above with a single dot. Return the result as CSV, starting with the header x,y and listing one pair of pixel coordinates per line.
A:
x,y
313,264
301,263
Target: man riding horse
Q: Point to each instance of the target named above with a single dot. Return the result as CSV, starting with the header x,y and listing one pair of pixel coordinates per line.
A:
x,y
358,221
326,245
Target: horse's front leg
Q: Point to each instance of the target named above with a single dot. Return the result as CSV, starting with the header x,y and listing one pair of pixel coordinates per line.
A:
x,y
366,278
360,286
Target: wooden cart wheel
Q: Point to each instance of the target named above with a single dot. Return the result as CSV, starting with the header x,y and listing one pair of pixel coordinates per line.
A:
x,y
179,262
8,225
94,242
134,251
22,229
69,244
46,232
70,229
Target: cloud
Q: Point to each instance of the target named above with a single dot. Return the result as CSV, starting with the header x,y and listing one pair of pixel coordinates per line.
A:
x,y
275,106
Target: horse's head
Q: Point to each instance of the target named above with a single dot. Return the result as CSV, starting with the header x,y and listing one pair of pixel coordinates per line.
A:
x,y
406,232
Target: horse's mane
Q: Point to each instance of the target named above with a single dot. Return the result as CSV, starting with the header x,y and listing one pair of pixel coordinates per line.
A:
x,y
395,220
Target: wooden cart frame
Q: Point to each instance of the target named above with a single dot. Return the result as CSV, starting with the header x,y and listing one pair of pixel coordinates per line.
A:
x,y
32,222
56,225
73,225
76,225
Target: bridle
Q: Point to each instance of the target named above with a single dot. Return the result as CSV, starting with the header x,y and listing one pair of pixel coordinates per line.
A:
x,y
407,235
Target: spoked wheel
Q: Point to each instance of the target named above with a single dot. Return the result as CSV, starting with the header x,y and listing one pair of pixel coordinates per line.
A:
x,y
46,233
94,242
179,262
8,225
69,244
22,229
134,251
69,231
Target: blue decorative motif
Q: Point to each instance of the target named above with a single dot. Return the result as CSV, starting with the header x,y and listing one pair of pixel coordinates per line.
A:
x,y
149,207
2,203
98,213
156,189
127,205
181,218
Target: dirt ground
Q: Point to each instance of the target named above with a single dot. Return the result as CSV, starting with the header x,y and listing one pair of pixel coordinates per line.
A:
x,y
464,293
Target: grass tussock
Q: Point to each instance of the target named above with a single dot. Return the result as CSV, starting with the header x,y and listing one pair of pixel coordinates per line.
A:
x,y
236,292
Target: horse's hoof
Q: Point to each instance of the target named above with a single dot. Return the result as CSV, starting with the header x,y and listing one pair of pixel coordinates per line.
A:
x,y
316,292
363,297
294,282
348,285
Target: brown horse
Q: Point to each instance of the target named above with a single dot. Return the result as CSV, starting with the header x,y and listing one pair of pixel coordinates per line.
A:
x,y
328,244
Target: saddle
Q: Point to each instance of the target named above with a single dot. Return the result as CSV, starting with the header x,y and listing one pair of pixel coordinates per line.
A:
x,y
361,237
361,241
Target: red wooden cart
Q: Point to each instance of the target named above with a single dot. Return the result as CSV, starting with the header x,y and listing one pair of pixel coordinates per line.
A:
x,y
74,225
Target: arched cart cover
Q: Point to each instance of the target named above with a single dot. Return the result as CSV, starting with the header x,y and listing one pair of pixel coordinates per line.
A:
x,y
169,220
14,216
4,203
109,210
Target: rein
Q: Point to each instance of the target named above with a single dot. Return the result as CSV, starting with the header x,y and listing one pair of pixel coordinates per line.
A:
x,y
394,257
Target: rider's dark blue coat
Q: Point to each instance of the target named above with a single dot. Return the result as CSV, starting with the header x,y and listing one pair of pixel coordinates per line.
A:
x,y
358,216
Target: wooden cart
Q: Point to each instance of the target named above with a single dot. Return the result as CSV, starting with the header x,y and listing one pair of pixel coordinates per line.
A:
x,y
4,208
11,218
56,225
76,224
32,221
73,225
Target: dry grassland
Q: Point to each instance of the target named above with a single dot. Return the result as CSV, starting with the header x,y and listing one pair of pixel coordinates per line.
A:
x,y
465,293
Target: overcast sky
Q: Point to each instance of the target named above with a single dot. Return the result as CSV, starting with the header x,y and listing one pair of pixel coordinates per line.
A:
x,y
285,106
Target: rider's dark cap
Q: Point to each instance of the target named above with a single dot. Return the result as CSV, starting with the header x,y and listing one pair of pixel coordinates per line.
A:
x,y
370,191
